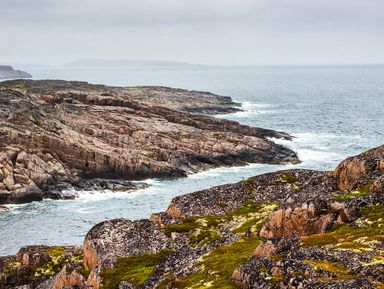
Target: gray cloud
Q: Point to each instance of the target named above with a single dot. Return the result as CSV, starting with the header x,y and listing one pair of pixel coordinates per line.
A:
x,y
204,31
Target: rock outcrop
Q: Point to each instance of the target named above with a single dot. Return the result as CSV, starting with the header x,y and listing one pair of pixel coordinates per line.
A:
x,y
307,219
7,72
110,240
58,134
357,171
287,229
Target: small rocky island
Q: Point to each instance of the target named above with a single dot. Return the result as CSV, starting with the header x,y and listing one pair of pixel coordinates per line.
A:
x,y
7,72
56,135
287,229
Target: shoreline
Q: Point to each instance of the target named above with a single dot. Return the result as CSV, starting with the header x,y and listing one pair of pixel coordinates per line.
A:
x,y
104,135
256,202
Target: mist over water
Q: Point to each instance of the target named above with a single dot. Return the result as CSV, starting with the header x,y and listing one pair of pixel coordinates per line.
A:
x,y
332,112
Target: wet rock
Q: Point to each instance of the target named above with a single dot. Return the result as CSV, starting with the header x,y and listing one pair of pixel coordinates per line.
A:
x,y
110,240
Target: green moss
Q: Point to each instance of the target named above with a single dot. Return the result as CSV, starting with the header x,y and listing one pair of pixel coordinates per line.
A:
x,y
218,265
84,272
333,173
204,230
329,267
363,190
205,237
56,251
250,217
179,228
11,268
250,186
246,208
58,260
16,84
134,269
288,178
360,236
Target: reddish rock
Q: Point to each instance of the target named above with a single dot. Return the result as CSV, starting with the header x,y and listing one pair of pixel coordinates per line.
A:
x,y
307,219
64,279
360,170
75,130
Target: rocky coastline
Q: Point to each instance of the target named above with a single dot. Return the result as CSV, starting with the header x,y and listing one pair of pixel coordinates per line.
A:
x,y
58,135
286,229
7,72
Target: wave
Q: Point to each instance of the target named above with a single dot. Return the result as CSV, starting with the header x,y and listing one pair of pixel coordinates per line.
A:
x,y
319,147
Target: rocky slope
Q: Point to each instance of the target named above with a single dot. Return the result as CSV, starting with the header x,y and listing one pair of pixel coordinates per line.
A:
x,y
7,72
58,134
287,229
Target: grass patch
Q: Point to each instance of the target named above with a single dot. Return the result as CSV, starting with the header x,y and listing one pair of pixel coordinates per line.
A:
x,y
133,269
329,267
287,178
205,237
58,260
218,265
363,190
205,230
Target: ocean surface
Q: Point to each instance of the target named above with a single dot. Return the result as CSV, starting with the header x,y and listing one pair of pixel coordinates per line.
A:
x,y
333,113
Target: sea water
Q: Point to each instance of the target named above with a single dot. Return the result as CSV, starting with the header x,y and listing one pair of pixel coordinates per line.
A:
x,y
332,112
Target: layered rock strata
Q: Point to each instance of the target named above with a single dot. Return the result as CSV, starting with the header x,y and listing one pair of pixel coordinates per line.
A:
x,y
58,134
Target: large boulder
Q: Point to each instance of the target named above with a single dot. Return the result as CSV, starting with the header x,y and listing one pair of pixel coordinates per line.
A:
x,y
110,240
309,218
360,170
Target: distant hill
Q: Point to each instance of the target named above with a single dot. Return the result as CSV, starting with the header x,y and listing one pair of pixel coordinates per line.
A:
x,y
7,72
124,63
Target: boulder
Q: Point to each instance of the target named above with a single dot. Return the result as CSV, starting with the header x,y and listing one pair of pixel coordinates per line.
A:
x,y
309,218
276,246
64,279
360,170
110,240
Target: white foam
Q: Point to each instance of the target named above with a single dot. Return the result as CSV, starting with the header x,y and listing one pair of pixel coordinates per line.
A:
x,y
316,146
252,105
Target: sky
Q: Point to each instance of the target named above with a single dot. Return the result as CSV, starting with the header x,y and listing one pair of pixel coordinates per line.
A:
x,y
216,32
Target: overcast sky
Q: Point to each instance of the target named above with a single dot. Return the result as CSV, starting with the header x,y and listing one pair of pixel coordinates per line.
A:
x,y
229,32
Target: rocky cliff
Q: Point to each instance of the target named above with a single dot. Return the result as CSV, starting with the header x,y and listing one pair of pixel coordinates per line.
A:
x,y
7,72
58,134
287,229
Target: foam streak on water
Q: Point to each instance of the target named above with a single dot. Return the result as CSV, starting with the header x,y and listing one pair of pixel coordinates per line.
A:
x,y
331,112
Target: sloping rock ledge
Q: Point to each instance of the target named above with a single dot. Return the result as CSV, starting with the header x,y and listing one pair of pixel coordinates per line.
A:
x,y
56,135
